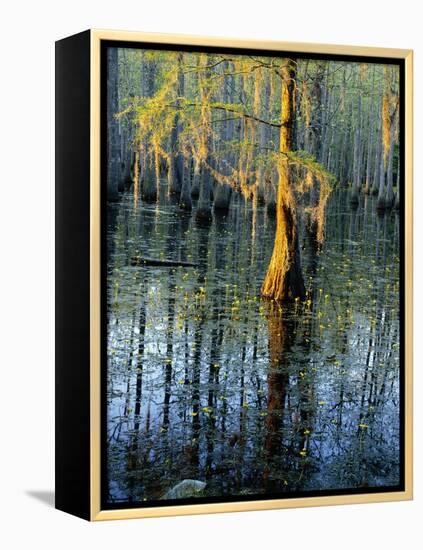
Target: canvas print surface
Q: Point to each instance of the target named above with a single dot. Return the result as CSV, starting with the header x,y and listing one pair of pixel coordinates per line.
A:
x,y
252,221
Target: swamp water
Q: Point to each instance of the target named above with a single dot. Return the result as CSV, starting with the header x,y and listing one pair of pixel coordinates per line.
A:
x,y
207,381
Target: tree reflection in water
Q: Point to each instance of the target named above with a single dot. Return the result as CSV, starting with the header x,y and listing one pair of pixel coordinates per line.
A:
x,y
208,381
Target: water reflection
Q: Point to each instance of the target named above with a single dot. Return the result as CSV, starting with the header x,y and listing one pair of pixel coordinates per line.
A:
x,y
206,381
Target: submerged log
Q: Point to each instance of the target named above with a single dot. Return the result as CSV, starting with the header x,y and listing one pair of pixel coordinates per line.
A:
x,y
138,261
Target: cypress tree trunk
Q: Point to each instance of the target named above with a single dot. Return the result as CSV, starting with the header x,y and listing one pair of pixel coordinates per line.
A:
x,y
156,161
243,138
326,129
318,94
223,192
274,139
185,201
354,198
264,140
147,173
376,176
175,184
271,196
113,164
330,161
284,279
397,196
204,213
319,137
346,140
195,189
387,146
125,179
367,185
342,131
222,197
128,128
389,197
148,181
127,172
381,193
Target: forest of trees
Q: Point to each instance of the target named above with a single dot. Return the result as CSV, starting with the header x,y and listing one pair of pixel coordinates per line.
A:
x,y
252,274
280,131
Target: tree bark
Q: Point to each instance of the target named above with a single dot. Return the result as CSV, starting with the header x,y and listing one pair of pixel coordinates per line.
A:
x,y
389,197
354,197
284,279
195,189
397,195
376,175
385,196
114,167
381,193
222,197
148,184
185,201
175,184
203,212
367,186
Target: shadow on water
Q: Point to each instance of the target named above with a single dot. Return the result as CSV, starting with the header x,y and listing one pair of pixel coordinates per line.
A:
x,y
208,381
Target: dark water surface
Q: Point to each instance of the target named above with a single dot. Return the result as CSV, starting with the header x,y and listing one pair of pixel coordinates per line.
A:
x,y
206,381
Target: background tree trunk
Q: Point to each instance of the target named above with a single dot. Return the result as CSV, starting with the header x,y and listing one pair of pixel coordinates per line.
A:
x,y
397,195
114,167
354,198
389,198
175,183
185,201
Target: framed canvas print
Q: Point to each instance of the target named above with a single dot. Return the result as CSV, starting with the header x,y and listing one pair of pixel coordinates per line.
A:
x,y
233,275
